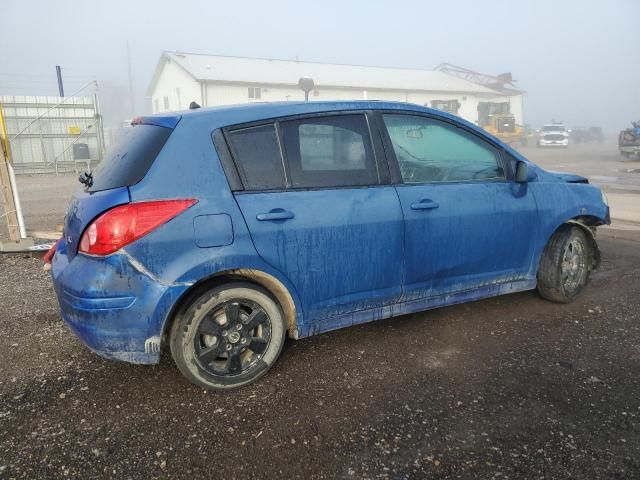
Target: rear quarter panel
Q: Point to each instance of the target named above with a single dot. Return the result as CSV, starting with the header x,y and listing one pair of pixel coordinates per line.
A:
x,y
188,167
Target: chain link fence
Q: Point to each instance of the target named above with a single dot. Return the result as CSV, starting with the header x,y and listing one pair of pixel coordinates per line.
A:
x,y
53,134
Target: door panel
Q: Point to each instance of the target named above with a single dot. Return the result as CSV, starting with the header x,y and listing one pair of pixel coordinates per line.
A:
x,y
478,233
466,224
341,248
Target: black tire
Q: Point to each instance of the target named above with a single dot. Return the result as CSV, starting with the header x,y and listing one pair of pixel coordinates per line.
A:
x,y
565,265
228,336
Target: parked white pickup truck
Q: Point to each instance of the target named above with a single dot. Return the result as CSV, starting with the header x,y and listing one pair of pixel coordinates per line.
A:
x,y
553,135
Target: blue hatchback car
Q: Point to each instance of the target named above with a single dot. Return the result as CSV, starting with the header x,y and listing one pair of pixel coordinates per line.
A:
x,y
217,232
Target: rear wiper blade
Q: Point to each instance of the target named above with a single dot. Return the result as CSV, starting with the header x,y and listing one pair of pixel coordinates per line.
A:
x,y
86,179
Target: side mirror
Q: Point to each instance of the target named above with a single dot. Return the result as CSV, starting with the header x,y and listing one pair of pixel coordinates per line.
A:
x,y
523,175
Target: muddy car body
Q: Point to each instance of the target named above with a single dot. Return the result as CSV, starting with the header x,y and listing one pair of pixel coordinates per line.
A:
x,y
218,231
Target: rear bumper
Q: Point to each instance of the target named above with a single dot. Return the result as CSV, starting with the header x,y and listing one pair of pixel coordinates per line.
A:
x,y
116,310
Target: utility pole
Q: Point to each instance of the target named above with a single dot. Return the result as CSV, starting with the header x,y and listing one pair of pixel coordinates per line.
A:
x,y
59,75
131,98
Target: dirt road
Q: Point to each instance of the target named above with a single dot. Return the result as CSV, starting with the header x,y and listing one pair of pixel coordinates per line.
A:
x,y
511,387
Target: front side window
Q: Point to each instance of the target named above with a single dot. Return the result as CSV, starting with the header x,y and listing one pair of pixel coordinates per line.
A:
x,y
257,155
332,151
429,150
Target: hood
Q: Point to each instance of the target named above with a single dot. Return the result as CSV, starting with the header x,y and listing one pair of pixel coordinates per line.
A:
x,y
568,177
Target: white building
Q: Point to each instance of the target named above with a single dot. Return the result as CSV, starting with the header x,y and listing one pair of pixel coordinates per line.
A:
x,y
181,78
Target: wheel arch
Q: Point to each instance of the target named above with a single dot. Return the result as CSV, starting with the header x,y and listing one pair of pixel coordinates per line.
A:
x,y
257,277
588,224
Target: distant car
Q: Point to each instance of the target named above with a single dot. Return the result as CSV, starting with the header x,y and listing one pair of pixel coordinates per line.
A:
x,y
553,135
579,135
217,231
586,135
595,135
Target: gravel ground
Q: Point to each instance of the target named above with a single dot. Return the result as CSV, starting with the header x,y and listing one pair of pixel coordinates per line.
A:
x,y
510,387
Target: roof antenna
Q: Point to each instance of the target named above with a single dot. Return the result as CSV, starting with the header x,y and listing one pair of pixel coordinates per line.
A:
x,y
193,106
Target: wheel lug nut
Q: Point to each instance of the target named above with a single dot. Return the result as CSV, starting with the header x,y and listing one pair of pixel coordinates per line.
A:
x,y
228,347
239,326
243,340
224,333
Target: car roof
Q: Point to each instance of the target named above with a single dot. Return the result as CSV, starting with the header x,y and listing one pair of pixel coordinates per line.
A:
x,y
222,116
243,113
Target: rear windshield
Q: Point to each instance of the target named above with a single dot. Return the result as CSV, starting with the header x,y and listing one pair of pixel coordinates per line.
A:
x,y
128,161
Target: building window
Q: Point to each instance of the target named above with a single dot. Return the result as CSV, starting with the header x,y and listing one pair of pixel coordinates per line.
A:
x,y
449,106
166,104
156,106
316,93
255,93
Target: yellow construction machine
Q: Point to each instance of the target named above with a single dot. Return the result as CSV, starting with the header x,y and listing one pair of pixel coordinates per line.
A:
x,y
496,119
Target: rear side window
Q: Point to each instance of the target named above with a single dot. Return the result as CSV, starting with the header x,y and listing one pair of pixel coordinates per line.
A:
x,y
331,151
258,158
127,162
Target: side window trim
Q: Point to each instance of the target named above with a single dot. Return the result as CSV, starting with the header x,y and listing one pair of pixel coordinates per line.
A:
x,y
226,160
386,148
283,158
509,163
382,165
392,161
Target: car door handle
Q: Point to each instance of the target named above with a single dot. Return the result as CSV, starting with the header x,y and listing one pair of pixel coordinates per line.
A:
x,y
425,204
275,214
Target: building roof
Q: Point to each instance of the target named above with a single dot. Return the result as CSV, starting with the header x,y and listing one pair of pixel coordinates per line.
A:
x,y
222,68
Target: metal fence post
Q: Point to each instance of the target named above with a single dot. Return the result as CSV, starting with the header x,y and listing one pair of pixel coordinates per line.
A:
x,y
10,200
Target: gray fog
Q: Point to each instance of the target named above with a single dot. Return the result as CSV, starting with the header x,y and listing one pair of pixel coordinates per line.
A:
x,y
577,60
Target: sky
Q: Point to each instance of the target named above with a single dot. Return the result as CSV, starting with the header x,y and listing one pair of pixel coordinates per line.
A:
x,y
578,60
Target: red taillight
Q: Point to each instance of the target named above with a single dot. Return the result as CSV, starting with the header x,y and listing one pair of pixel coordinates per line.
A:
x,y
125,224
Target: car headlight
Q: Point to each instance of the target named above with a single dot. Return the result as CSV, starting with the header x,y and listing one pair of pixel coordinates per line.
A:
x,y
604,198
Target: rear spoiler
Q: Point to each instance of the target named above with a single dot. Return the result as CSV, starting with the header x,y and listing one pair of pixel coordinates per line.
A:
x,y
166,121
